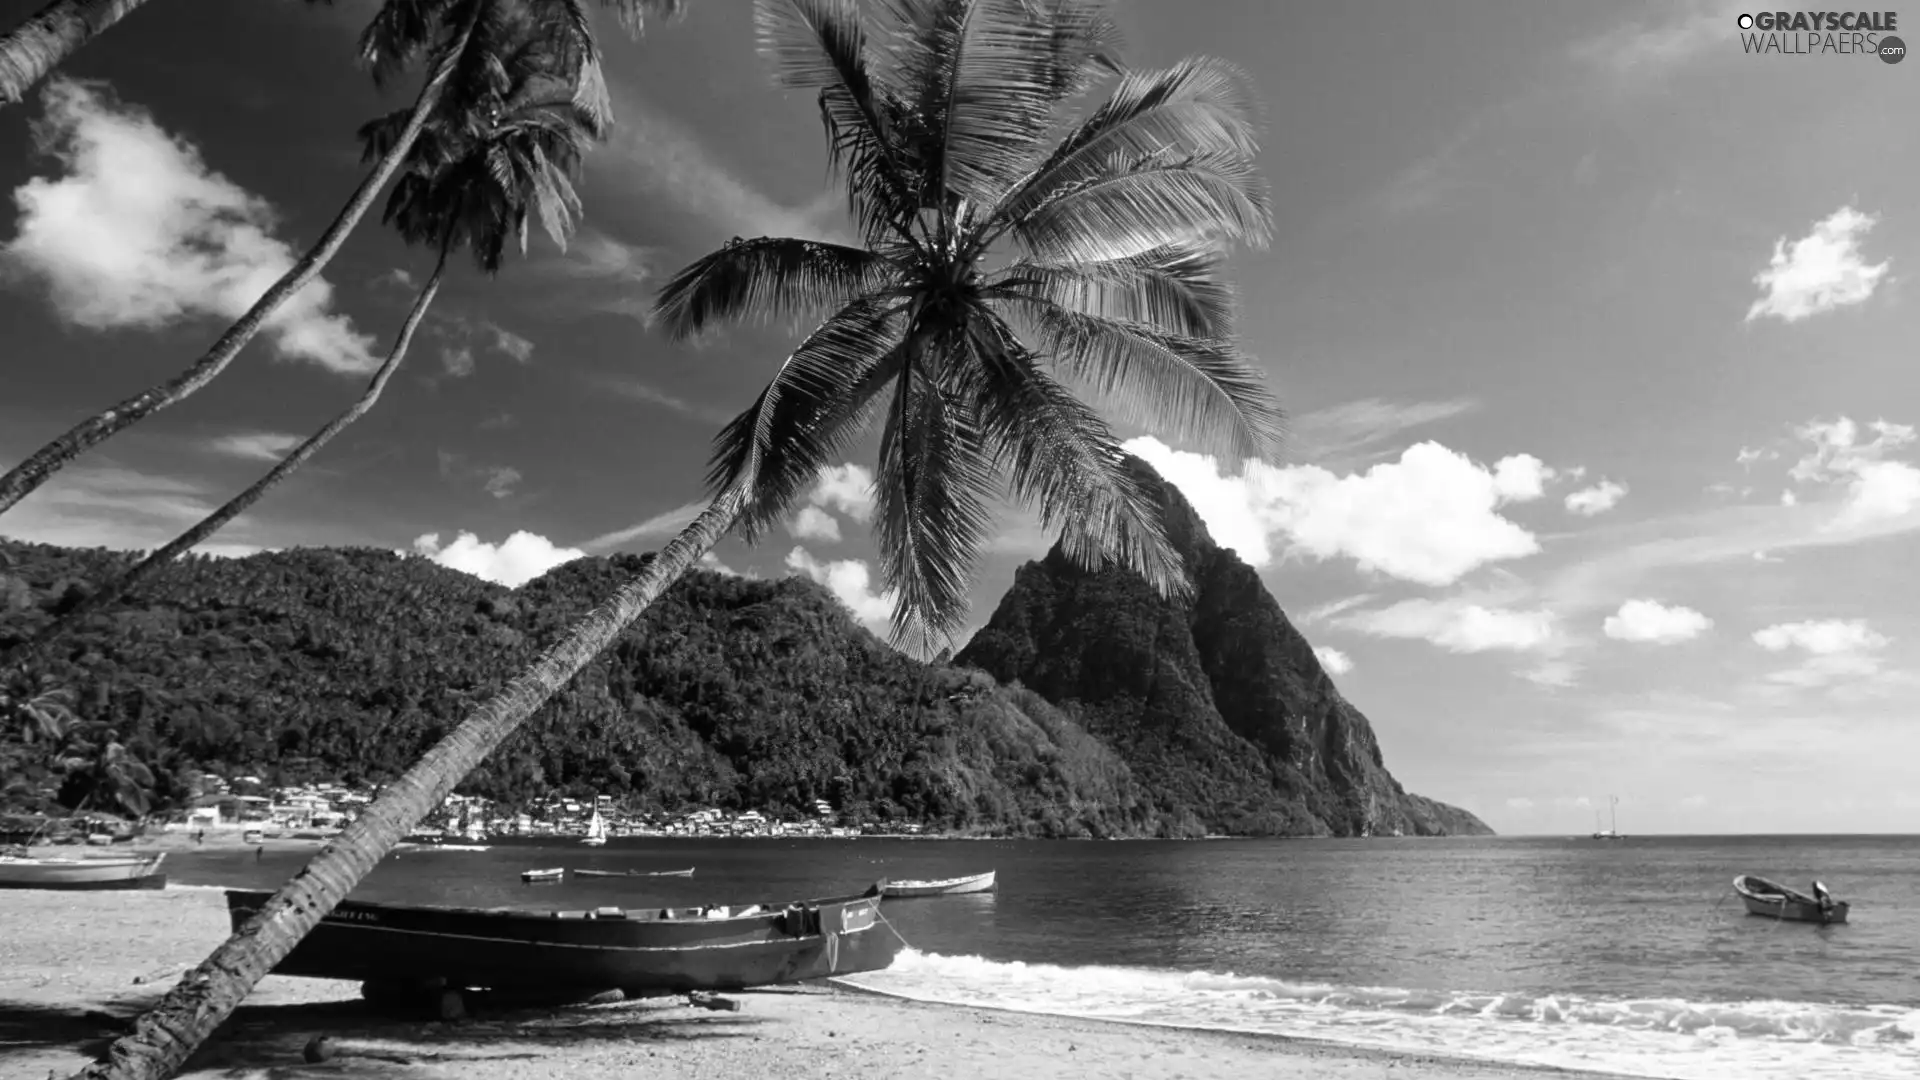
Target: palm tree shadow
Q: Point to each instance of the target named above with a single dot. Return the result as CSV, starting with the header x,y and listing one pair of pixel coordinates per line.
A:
x,y
274,1038
270,1041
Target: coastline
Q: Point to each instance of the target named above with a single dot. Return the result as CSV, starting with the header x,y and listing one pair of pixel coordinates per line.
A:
x,y
74,965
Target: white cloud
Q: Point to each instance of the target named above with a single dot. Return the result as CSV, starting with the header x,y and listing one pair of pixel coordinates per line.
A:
x,y
1597,499
1520,803
847,488
1430,517
1825,637
1820,271
513,562
851,581
1836,651
501,480
1571,802
256,445
712,562
1355,426
456,361
1335,661
1679,32
663,524
1878,489
114,507
1654,622
813,523
1749,455
1460,626
1521,477
139,233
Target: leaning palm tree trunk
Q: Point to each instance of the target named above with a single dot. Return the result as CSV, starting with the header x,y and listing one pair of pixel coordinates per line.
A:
x,y
167,1035
44,42
211,524
54,456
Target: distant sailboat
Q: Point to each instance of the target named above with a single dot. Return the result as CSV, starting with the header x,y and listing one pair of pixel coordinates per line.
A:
x,y
596,831
1613,809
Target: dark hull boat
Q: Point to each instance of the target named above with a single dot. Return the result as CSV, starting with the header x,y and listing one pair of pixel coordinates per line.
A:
x,y
1776,901
651,952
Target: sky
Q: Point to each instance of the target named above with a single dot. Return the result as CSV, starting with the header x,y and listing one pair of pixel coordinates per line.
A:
x,y
1595,332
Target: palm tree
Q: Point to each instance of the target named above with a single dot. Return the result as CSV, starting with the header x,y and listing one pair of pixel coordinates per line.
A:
x,y
454,36
34,48
474,181
948,140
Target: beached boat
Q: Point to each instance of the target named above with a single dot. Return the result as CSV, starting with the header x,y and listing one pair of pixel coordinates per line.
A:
x,y
397,948
127,872
978,883
1777,901
688,872
550,874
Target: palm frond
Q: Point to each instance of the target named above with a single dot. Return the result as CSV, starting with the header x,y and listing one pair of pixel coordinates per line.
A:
x,y
932,508
769,277
1179,289
1141,204
1198,106
809,411
1061,459
1201,391
821,45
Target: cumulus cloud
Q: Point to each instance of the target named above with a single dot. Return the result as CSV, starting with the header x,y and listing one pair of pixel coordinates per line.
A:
x,y
137,232
847,488
1655,623
1598,499
1819,272
1878,488
1335,661
501,480
255,445
512,562
1833,650
813,523
851,581
1459,625
1430,517
457,362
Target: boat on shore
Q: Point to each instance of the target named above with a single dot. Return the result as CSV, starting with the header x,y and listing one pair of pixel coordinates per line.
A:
x,y
123,872
396,950
960,886
1777,901
552,873
688,872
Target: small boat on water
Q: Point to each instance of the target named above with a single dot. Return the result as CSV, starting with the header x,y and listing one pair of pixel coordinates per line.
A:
x,y
596,831
550,874
399,949
124,872
978,883
688,872
1777,901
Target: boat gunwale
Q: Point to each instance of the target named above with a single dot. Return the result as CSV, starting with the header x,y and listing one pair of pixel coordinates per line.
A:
x,y
548,915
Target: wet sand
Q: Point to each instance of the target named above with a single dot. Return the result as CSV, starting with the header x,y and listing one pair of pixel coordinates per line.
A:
x,y
74,966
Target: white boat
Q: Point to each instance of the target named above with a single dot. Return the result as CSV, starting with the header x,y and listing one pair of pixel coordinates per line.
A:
x,y
959,886
596,831
549,874
1612,833
124,872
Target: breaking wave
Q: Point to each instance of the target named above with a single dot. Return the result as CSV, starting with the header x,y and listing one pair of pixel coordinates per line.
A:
x,y
1652,1037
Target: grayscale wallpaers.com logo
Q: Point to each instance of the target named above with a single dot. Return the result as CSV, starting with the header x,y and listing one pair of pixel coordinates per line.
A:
x,y
1814,33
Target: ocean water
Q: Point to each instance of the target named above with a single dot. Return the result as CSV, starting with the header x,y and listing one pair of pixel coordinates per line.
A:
x,y
1631,957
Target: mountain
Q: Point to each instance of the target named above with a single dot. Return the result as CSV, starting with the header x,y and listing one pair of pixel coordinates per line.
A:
x,y
319,664
1216,702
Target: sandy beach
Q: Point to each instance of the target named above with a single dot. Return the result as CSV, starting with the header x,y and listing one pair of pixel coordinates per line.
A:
x,y
73,966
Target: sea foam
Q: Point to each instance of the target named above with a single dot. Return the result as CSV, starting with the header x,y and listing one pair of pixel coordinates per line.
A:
x,y
1652,1037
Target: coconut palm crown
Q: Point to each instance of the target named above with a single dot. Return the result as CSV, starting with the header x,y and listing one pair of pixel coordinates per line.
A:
x,y
947,120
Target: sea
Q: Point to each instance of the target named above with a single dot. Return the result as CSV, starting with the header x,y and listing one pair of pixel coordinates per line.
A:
x,y
1630,956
